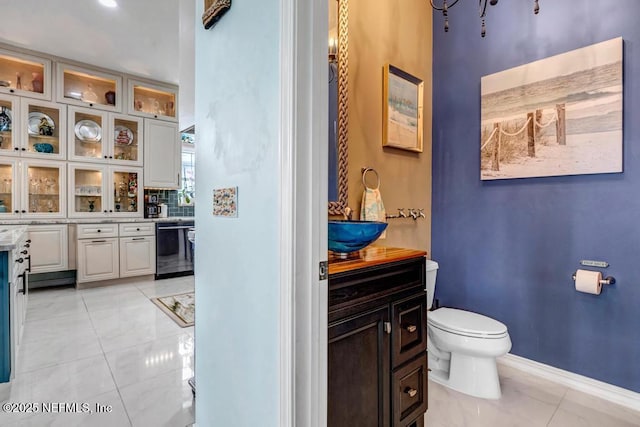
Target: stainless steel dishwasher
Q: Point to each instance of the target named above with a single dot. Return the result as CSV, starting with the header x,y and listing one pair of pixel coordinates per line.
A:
x,y
174,253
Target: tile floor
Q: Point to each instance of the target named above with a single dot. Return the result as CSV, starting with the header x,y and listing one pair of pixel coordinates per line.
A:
x,y
112,346
107,346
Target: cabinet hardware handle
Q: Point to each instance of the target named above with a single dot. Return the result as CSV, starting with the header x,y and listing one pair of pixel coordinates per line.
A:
x,y
99,231
111,157
137,229
387,327
20,260
90,104
16,211
23,290
28,241
24,149
105,211
139,238
27,245
24,252
411,391
106,157
24,211
17,149
98,241
28,265
110,210
411,328
11,90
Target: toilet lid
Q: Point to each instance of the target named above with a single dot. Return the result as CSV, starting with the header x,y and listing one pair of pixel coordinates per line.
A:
x,y
466,323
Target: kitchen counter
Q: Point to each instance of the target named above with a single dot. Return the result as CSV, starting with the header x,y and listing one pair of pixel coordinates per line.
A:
x,y
370,256
9,237
93,220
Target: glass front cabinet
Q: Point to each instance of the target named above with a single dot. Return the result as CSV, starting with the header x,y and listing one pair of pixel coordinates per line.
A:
x,y
98,191
25,75
9,183
152,101
43,184
44,129
88,88
9,124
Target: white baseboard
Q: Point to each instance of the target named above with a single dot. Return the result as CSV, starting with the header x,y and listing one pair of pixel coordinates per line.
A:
x,y
611,393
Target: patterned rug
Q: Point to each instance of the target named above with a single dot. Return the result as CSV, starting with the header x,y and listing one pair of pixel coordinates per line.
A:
x,y
181,307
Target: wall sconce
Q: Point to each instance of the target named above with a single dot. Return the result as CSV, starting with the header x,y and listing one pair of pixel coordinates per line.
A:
x,y
483,11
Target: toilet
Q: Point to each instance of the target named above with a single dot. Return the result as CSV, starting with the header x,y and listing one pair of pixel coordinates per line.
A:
x,y
463,346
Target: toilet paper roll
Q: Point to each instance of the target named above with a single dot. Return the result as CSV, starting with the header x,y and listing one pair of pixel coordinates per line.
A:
x,y
588,281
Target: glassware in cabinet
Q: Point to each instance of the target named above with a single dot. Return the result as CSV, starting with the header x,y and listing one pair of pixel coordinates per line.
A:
x,y
9,197
43,183
44,126
89,88
9,125
126,140
86,134
127,191
153,101
86,190
25,75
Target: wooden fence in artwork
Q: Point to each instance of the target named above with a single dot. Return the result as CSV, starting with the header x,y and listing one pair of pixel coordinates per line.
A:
x,y
533,128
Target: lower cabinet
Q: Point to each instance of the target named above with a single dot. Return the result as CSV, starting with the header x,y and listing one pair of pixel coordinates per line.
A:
x,y
137,256
98,259
49,248
111,251
377,364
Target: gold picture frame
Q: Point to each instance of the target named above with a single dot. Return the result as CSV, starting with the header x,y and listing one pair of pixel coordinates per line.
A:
x,y
402,124
213,11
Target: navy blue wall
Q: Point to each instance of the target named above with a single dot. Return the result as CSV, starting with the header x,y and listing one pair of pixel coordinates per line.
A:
x,y
507,249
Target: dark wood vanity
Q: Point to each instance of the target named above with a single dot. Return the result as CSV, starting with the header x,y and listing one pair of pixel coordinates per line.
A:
x,y
377,339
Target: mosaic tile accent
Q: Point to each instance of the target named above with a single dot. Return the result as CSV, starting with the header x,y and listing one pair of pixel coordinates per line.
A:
x,y
225,202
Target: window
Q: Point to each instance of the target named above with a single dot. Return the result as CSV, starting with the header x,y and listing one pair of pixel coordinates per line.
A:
x,y
188,175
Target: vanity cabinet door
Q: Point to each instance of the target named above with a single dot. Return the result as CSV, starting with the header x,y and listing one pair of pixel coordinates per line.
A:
x,y
409,388
358,380
98,259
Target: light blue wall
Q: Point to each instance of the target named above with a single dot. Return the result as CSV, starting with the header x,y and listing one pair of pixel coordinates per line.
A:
x,y
507,249
237,262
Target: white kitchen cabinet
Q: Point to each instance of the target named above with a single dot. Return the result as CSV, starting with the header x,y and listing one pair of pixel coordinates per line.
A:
x,y
43,129
161,154
86,135
9,188
9,125
137,256
97,191
88,87
17,268
125,140
49,248
42,189
152,100
27,75
98,259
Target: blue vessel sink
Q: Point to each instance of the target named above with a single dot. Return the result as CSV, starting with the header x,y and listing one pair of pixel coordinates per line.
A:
x,y
351,236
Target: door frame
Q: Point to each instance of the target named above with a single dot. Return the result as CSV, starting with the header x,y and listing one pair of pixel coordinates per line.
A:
x,y
303,217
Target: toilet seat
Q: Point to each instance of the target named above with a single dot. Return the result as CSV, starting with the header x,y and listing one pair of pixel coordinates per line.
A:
x,y
466,323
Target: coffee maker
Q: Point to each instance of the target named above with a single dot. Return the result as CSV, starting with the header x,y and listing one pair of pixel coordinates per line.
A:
x,y
151,207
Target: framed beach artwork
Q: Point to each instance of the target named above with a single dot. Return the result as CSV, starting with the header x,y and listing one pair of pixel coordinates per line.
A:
x,y
402,110
557,116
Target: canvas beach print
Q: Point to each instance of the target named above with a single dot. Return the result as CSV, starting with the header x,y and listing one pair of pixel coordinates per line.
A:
x,y
558,116
402,110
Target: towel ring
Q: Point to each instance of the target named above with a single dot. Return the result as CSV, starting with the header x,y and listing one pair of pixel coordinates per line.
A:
x,y
364,175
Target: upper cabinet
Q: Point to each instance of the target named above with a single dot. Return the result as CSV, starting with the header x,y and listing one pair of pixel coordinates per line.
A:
x,y
25,75
86,134
161,154
152,101
88,88
9,124
44,129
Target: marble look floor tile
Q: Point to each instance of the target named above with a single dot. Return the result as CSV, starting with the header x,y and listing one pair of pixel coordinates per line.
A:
x,y
126,327
583,410
166,287
116,417
453,409
163,401
132,297
72,324
148,360
55,349
69,382
45,309
521,383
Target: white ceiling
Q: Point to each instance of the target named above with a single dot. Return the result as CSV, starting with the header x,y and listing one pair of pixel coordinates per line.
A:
x,y
139,36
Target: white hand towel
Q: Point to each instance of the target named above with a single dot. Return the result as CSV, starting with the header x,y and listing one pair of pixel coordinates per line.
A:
x,y
372,208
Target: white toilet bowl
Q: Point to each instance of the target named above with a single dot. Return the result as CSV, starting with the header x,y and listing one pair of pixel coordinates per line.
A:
x,y
463,347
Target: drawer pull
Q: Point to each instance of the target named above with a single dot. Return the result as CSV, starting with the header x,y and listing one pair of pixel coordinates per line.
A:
x,y
24,252
411,328
20,260
387,327
98,241
137,229
139,238
411,391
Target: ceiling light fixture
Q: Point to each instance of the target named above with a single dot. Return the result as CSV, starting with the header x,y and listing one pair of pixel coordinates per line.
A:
x,y
108,3
483,11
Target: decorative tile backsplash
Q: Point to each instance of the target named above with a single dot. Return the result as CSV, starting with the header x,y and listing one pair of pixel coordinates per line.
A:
x,y
170,197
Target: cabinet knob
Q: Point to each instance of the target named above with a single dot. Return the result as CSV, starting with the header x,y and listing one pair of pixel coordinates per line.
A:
x,y
20,260
411,328
16,148
23,211
105,211
28,241
110,210
16,211
411,391
155,116
24,252
99,229
12,91
27,245
90,104
106,157
111,157
137,229
24,149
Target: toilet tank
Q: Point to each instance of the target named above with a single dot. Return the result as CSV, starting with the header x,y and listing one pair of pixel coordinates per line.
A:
x,y
432,272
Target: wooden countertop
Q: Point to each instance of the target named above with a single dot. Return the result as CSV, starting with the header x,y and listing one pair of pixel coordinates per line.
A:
x,y
370,256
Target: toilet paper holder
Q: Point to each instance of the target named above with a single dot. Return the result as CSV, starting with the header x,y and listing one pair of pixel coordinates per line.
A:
x,y
609,280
